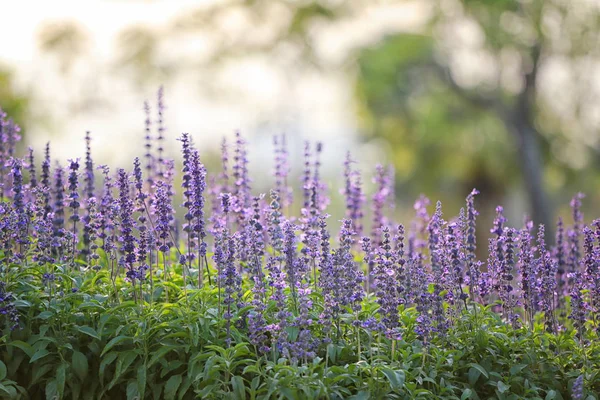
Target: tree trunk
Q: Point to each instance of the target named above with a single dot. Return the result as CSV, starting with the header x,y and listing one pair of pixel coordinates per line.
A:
x,y
532,169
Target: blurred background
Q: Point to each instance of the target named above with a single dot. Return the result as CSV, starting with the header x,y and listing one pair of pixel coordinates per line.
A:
x,y
501,95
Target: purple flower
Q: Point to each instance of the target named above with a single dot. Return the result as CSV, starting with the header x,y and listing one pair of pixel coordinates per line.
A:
x,y
386,278
546,282
577,390
31,168
353,194
241,188
436,254
7,307
256,318
150,167
579,308
161,133
59,201
471,243
42,228
560,255
455,261
384,194
527,271
73,193
347,276
45,179
573,239
163,212
126,224
282,170
187,195
18,204
197,223
306,177
92,227
592,269
89,167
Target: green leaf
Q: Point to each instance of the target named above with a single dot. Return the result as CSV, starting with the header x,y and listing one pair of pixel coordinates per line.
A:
x,y
480,369
141,380
110,357
61,373
132,391
158,355
2,370
239,389
332,352
41,353
123,362
45,315
26,347
51,390
515,369
502,387
80,365
115,341
172,386
395,377
89,331
10,391
466,394
362,395
474,374
551,395
39,371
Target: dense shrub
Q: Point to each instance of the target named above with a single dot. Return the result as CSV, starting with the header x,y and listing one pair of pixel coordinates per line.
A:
x,y
105,293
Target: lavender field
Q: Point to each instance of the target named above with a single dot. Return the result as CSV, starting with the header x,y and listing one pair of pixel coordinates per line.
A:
x,y
166,280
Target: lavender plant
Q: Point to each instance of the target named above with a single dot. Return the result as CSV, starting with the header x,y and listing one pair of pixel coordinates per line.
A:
x,y
95,282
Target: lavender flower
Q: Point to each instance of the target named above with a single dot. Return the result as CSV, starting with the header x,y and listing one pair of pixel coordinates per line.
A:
x,y
7,307
384,194
353,194
161,132
59,202
150,167
347,275
89,167
187,194
592,270
282,170
241,192
306,177
22,214
435,228
579,308
471,243
455,261
198,187
229,277
45,179
42,228
386,278
546,282
31,168
163,212
92,225
126,224
322,198
577,390
573,239
560,255
526,268
256,319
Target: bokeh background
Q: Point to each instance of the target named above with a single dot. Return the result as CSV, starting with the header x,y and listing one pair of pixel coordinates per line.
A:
x,y
502,95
